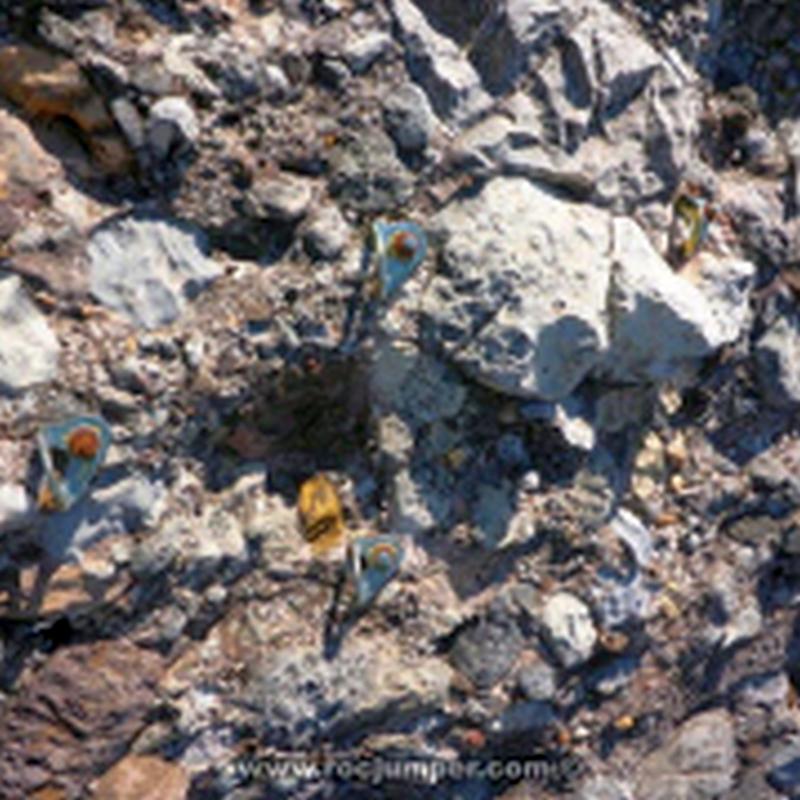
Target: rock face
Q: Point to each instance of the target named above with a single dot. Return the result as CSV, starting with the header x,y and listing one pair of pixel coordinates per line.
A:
x,y
286,199
29,348
485,653
171,127
361,688
146,269
15,507
367,175
131,505
576,418
327,234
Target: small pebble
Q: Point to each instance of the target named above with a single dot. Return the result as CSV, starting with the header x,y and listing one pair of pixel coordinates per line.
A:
x,y
537,681
286,199
569,628
327,234
363,52
408,117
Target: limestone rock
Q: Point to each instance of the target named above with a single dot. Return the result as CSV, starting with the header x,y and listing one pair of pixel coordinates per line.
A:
x,y
452,84
28,348
286,198
697,762
293,693
536,293
537,681
521,302
726,284
659,321
417,505
366,173
126,506
486,651
327,234
602,787
413,385
408,117
16,507
362,52
492,511
172,127
595,72
599,67
146,269
370,685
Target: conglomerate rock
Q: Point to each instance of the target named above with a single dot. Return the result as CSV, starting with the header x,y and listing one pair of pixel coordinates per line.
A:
x,y
574,422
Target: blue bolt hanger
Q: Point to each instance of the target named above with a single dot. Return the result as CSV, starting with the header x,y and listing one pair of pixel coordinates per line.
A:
x,y
71,453
400,248
373,562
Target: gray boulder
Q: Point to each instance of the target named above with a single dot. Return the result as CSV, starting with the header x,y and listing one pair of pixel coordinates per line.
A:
x,y
146,269
28,348
536,292
521,300
658,321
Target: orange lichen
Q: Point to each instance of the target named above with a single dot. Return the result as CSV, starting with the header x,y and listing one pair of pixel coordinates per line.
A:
x,y
625,723
381,556
474,738
84,442
403,245
563,736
